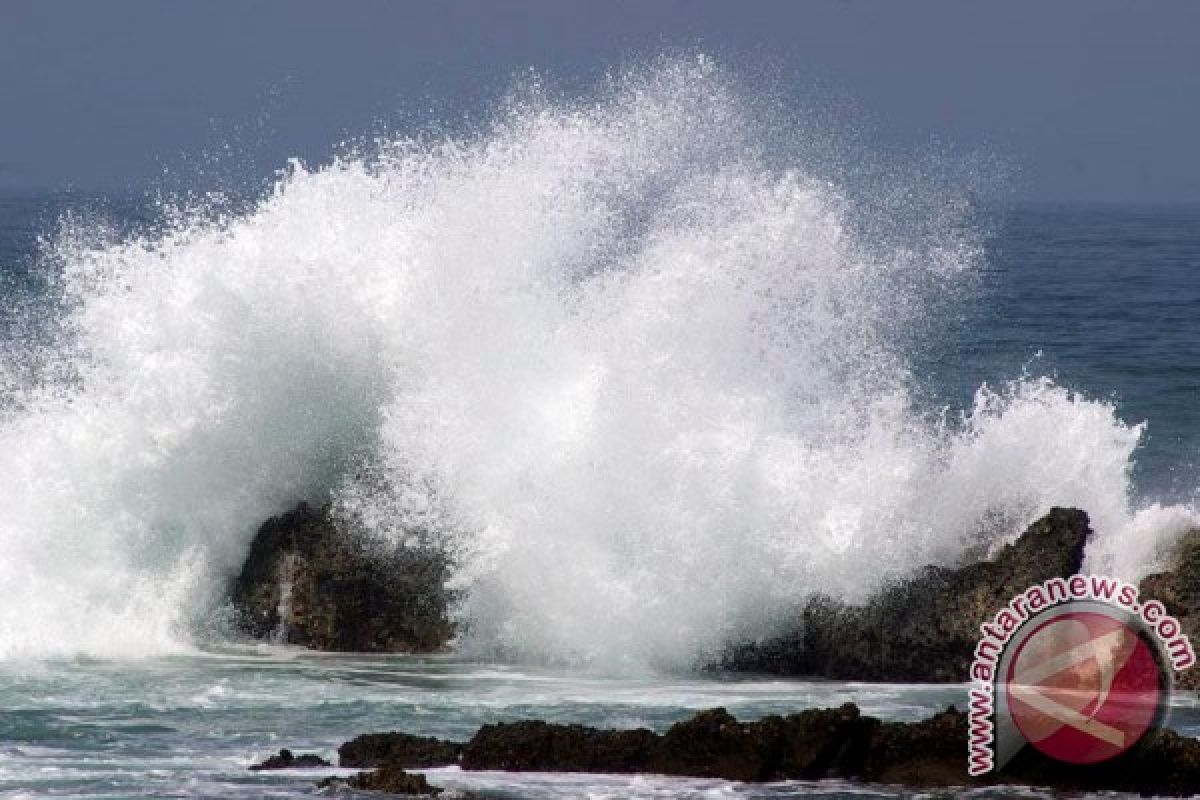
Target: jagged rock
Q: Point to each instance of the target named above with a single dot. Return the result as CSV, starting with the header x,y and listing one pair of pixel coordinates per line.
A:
x,y
306,582
713,744
1179,592
398,749
927,753
388,779
535,746
813,745
286,759
822,743
926,628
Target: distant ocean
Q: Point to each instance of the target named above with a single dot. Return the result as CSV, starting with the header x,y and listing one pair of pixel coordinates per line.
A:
x,y
651,375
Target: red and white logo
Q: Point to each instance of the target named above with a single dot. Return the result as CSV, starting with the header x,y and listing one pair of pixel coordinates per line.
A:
x,y
1084,686
1079,668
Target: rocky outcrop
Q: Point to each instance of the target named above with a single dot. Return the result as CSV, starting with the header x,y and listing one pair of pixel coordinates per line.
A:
x,y
388,780
926,628
286,759
810,745
398,749
392,780
307,582
816,744
1179,592
536,746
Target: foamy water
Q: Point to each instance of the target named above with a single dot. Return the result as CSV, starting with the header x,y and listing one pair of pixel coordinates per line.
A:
x,y
638,363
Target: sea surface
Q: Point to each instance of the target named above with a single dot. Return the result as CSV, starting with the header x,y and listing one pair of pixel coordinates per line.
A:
x,y
653,376
189,726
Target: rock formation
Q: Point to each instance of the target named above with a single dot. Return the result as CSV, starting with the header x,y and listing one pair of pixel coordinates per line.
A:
x,y
816,744
308,582
926,628
286,759
1179,592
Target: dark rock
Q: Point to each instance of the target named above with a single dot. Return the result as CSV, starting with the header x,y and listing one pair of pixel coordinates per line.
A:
x,y
286,759
928,753
309,583
810,745
392,780
1179,592
822,743
398,749
926,628
535,746
713,744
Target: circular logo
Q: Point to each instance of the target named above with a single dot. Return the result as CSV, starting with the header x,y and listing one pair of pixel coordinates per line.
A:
x,y
1084,686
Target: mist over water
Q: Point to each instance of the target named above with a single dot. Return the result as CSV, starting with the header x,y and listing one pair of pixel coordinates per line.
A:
x,y
639,362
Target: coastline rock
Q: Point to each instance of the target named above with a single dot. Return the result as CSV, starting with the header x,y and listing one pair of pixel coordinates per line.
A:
x,y
925,629
392,780
398,749
286,759
823,743
813,745
388,780
1179,592
928,753
307,582
713,744
536,746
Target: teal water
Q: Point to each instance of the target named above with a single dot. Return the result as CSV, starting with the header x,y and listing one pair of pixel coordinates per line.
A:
x,y
189,726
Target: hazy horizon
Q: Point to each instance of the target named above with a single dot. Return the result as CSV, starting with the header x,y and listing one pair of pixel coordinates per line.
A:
x,y
1087,102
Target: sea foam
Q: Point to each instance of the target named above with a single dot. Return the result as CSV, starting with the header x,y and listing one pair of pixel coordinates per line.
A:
x,y
639,362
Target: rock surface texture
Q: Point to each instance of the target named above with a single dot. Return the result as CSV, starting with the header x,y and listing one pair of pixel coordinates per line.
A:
x,y
925,629
308,582
1179,592
816,744
286,759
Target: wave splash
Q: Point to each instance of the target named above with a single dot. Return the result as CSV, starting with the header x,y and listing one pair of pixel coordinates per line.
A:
x,y
641,371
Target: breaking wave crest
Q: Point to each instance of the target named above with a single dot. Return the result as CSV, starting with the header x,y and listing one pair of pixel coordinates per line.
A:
x,y
639,362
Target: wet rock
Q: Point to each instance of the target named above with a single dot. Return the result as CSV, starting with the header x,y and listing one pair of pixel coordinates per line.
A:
x,y
812,745
286,759
307,582
536,746
1179,591
822,743
713,744
398,749
927,753
392,780
926,628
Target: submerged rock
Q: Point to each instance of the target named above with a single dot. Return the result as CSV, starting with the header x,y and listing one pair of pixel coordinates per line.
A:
x,y
307,582
286,759
392,780
926,628
388,780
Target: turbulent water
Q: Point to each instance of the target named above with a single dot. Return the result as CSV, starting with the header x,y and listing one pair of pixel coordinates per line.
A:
x,y
189,726
654,366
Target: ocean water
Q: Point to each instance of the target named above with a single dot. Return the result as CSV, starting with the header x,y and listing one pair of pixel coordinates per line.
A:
x,y
654,365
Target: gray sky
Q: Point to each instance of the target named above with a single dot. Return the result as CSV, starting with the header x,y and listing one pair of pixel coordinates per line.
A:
x,y
1091,100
